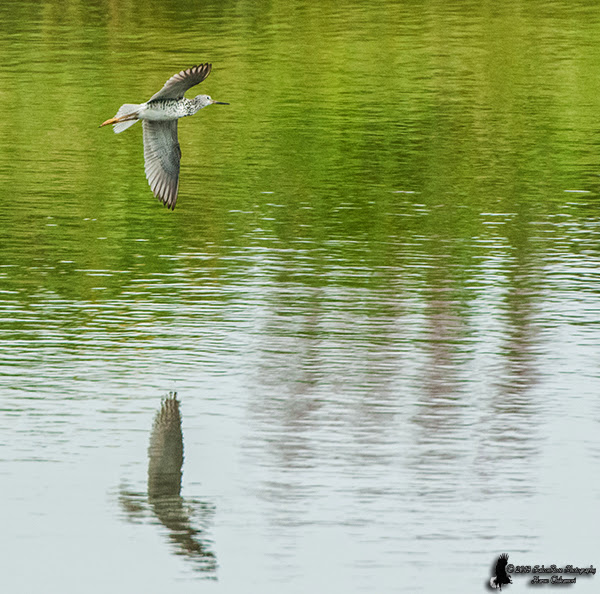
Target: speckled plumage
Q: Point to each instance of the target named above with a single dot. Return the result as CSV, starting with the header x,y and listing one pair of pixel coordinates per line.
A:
x,y
162,153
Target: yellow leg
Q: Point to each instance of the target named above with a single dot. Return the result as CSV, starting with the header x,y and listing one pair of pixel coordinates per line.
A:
x,y
115,120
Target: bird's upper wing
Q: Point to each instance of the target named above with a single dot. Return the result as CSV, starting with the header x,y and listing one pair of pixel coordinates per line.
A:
x,y
162,156
179,83
501,563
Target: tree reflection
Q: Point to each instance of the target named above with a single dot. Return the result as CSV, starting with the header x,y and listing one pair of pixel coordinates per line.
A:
x,y
163,500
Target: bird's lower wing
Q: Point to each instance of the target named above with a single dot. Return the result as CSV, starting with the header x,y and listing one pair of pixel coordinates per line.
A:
x,y
162,156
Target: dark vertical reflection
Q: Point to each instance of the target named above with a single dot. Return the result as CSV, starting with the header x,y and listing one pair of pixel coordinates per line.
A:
x,y
165,453
163,499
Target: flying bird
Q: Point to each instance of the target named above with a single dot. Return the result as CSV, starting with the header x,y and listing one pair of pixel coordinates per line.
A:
x,y
159,117
501,576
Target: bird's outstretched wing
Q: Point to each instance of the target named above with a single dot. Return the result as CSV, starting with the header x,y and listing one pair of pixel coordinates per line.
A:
x,y
162,156
179,83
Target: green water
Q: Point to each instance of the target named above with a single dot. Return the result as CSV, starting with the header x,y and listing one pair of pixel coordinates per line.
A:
x,y
476,111
378,286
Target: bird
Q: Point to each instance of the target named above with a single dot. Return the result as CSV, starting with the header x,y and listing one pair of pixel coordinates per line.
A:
x,y
501,576
159,116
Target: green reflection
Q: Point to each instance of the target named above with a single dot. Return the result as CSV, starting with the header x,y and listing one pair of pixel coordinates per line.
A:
x,y
394,147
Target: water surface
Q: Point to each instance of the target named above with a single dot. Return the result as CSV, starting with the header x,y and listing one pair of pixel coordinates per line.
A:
x,y
377,299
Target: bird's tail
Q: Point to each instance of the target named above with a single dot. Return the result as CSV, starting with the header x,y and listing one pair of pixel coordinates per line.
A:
x,y
126,117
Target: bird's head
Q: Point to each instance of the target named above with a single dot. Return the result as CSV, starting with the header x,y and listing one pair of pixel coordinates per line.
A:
x,y
205,100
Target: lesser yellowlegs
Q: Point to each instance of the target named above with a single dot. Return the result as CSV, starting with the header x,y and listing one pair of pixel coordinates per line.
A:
x,y
159,114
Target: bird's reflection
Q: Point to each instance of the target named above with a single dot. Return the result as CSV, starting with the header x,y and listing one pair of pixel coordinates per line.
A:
x,y
163,499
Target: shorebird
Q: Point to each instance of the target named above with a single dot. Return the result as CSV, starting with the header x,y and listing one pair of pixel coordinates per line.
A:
x,y
159,117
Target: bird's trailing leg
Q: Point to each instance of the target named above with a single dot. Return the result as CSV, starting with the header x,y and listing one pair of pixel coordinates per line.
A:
x,y
116,120
127,115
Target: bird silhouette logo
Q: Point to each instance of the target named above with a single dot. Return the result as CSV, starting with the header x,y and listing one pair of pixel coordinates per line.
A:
x,y
501,576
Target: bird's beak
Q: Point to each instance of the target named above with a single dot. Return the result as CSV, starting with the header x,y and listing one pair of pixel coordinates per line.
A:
x,y
219,102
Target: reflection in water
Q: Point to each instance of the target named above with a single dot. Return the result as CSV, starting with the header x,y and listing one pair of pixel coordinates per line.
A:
x,y
165,454
391,278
